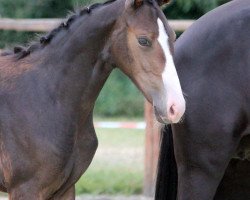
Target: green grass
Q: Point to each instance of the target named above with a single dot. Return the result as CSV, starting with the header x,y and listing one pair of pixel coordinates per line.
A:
x,y
111,180
125,138
117,167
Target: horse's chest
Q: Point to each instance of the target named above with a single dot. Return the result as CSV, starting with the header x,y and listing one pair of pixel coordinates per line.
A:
x,y
84,150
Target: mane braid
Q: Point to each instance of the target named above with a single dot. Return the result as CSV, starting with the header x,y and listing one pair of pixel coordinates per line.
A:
x,y
21,52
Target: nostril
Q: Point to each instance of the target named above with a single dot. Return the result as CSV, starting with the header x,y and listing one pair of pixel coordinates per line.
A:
x,y
172,110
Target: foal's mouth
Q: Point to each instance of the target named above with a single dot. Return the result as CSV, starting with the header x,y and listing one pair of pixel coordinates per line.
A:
x,y
165,120
160,118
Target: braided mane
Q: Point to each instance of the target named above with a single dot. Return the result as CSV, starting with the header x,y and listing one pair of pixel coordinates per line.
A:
x,y
20,52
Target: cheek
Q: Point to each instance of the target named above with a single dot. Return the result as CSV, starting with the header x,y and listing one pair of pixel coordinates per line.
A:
x,y
156,59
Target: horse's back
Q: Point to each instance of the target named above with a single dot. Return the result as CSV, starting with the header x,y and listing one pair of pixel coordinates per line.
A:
x,y
225,29
218,38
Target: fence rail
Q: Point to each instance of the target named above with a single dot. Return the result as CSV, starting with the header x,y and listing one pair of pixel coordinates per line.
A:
x,y
34,25
44,25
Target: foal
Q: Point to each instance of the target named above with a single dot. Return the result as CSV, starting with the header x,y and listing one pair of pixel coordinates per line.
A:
x,y
48,91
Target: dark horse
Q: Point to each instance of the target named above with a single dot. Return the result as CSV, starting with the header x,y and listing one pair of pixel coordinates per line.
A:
x,y
213,63
48,91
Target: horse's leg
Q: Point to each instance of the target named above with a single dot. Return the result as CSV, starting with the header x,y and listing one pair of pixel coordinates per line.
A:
x,y
202,156
21,196
235,183
24,192
68,195
27,192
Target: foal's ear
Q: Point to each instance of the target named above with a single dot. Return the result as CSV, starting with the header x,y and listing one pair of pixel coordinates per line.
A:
x,y
133,3
163,2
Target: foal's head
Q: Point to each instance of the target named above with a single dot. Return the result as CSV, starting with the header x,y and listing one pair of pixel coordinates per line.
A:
x,y
143,50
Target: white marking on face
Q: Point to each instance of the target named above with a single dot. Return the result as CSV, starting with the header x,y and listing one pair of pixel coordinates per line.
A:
x,y
170,77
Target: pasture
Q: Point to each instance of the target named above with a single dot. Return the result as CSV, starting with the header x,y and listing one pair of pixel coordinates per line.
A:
x,y
117,167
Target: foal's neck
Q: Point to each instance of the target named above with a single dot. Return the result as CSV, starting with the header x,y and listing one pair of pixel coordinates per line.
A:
x,y
77,55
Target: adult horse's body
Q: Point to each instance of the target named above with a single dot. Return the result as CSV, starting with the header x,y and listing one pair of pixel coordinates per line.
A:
x,y
48,91
213,63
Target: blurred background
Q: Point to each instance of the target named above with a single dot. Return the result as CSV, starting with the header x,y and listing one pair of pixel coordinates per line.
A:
x,y
118,167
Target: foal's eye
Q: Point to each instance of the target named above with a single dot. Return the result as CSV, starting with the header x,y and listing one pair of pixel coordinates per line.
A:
x,y
143,41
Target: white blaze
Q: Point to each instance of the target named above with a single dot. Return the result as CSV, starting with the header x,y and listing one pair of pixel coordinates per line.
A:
x,y
169,75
